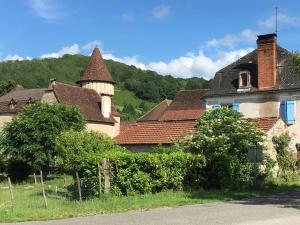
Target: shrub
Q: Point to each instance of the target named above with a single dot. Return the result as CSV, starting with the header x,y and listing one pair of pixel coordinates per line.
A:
x,y
225,137
73,147
31,134
141,173
284,157
18,170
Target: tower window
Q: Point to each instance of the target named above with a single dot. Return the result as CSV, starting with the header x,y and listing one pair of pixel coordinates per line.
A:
x,y
244,79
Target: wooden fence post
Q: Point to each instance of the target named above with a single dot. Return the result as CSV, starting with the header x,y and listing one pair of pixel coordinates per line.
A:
x,y
99,179
65,180
106,171
78,186
34,176
43,189
11,195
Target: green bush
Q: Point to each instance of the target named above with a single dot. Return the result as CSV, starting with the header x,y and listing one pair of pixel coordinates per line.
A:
x,y
284,157
30,135
139,173
18,170
73,147
224,137
3,166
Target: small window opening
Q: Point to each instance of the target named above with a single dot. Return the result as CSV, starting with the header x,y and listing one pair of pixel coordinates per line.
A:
x,y
244,79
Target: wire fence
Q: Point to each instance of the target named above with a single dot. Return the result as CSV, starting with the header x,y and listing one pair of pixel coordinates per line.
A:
x,y
35,193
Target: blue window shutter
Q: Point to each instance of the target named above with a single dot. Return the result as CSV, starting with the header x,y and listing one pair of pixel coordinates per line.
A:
x,y
290,117
283,110
236,106
216,106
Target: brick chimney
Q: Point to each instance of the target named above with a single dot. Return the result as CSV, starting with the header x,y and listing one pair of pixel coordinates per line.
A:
x,y
267,61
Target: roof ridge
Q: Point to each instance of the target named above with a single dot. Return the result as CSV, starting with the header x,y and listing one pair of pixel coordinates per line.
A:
x,y
96,69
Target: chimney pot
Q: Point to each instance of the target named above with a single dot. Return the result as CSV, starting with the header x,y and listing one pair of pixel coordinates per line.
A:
x,y
267,61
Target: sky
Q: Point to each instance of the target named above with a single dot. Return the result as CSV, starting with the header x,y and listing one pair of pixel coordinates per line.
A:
x,y
182,38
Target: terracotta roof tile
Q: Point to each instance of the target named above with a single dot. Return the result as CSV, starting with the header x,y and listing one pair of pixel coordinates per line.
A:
x,y
124,125
20,97
96,69
88,100
155,113
188,104
265,123
158,132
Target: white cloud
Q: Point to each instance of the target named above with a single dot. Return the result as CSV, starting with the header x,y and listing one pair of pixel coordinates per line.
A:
x,y
197,64
160,12
282,19
16,57
91,45
129,60
46,9
232,40
191,64
72,50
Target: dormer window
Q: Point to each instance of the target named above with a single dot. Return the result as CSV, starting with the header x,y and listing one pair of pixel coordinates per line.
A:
x,y
12,104
244,80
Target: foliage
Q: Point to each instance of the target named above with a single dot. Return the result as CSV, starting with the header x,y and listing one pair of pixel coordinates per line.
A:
x,y
285,160
31,134
225,138
3,166
140,173
6,86
146,86
18,170
73,146
128,112
296,63
269,165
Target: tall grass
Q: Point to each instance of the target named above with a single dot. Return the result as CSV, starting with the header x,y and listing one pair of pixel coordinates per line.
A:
x,y
29,200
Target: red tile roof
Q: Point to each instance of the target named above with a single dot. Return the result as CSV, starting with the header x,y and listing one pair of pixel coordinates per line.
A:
x,y
88,100
155,113
155,132
124,125
20,97
162,132
265,123
96,69
188,104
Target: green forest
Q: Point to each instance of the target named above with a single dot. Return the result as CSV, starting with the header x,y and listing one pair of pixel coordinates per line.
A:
x,y
136,90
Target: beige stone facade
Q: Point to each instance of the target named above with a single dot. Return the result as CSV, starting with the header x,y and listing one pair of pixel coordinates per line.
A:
x,y
266,104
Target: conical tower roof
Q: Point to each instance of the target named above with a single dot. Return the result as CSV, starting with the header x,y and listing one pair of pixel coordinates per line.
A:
x,y
96,69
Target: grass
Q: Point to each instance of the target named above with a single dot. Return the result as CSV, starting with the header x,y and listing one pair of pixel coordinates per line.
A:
x,y
29,201
123,97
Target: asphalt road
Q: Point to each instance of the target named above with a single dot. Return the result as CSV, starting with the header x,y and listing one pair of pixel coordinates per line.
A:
x,y
279,209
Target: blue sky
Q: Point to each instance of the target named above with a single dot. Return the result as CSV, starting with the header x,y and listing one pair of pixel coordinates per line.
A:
x,y
182,38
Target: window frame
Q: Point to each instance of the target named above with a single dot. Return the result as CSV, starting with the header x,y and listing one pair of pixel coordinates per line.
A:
x,y
247,72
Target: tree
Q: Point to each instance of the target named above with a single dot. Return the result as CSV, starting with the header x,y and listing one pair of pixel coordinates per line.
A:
x,y
296,63
74,147
30,136
6,86
225,138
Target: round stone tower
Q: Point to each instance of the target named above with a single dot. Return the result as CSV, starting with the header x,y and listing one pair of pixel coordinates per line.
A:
x,y
97,77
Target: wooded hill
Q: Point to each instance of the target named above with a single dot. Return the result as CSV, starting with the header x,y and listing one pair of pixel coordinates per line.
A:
x,y
136,90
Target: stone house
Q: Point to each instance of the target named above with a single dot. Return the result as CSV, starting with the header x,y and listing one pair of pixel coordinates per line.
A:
x,y
261,84
93,96
166,121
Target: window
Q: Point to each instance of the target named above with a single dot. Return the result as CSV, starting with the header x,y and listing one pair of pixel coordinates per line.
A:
x,y
235,106
287,111
12,104
244,79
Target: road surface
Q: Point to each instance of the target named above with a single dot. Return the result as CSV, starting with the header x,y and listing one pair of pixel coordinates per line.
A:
x,y
279,209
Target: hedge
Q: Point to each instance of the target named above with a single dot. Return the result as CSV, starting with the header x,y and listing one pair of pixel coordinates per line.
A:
x,y
140,173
